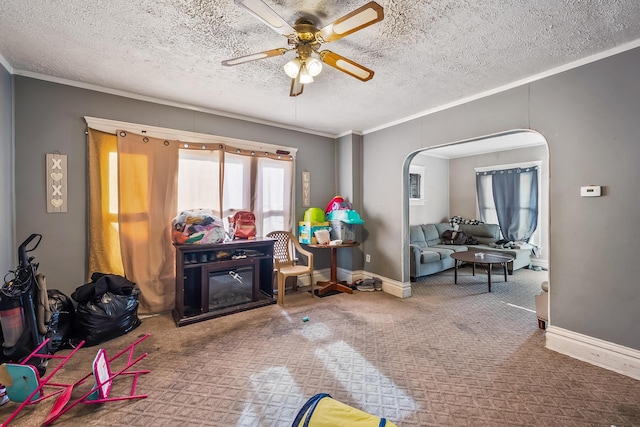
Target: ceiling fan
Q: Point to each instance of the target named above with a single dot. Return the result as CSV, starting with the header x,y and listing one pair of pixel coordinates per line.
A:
x,y
305,39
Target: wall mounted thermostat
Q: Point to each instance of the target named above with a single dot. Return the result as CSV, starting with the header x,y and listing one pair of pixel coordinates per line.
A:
x,y
591,191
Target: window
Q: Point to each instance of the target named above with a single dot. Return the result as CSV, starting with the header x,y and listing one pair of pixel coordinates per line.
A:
x,y
251,181
261,185
416,185
199,180
266,192
138,183
508,195
274,178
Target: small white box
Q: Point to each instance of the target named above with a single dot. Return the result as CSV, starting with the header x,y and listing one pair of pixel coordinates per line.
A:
x,y
322,236
591,191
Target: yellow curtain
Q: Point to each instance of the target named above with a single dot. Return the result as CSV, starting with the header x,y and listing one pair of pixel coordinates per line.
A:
x,y
148,180
104,239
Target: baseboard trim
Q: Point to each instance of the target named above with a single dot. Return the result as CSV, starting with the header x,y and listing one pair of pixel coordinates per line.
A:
x,y
396,288
390,286
614,357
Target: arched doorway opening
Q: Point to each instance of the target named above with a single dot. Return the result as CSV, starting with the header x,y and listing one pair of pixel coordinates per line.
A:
x,y
441,182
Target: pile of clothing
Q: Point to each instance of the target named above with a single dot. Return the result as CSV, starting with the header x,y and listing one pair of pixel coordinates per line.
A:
x,y
197,226
506,244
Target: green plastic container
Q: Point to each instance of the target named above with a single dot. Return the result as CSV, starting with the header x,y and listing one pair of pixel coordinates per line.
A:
x,y
314,215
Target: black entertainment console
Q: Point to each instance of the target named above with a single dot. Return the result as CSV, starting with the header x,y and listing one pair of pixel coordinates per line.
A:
x,y
224,278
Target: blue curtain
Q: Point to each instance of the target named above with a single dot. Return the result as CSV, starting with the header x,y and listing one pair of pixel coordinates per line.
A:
x,y
515,195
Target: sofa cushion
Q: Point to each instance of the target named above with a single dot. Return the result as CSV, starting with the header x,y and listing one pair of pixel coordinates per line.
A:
x,y
416,236
453,248
444,252
442,227
484,233
431,234
429,256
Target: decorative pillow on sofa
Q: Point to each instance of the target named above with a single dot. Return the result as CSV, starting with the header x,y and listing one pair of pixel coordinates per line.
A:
x,y
455,220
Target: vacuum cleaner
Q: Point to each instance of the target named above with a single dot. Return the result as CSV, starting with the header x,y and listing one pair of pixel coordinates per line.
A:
x,y
24,308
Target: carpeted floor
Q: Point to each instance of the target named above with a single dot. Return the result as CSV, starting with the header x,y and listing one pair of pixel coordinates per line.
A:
x,y
451,355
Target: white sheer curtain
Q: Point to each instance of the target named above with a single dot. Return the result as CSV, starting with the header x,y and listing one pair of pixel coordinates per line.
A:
x,y
199,180
486,207
261,185
273,195
238,184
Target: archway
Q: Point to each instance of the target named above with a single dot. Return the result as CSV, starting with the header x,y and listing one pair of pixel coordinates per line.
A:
x,y
507,144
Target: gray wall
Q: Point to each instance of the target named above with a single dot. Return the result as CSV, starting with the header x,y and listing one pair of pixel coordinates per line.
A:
x,y
349,187
49,118
436,191
7,230
589,116
463,185
387,149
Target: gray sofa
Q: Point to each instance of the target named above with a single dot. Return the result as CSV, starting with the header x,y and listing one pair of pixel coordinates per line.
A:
x,y
430,255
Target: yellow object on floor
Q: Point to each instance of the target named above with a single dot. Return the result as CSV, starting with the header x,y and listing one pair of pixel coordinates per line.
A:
x,y
324,411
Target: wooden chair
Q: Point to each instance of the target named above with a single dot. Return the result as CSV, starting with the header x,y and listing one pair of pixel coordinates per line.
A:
x,y
285,261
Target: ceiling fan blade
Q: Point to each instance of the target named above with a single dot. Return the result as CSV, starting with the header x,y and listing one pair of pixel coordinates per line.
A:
x,y
360,18
263,12
255,56
346,65
296,86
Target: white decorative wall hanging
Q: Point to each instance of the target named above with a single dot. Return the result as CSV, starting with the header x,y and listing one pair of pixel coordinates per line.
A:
x,y
56,183
306,189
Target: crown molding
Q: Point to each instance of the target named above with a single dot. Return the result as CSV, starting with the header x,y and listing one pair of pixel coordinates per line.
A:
x,y
154,100
596,57
575,64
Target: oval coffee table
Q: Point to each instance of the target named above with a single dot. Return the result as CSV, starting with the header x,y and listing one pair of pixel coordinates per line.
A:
x,y
475,258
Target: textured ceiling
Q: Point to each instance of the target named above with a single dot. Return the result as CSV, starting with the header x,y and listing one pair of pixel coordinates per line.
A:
x,y
425,53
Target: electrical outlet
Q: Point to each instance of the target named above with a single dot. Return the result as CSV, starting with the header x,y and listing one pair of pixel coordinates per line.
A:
x,y
368,258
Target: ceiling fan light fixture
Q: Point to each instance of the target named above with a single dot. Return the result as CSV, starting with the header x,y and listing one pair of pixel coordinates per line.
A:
x,y
292,68
304,38
313,66
305,77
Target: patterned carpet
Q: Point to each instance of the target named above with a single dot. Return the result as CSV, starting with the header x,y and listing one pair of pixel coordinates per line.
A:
x,y
451,355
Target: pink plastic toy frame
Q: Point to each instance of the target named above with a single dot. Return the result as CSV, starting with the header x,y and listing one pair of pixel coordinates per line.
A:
x,y
99,393
44,382
103,376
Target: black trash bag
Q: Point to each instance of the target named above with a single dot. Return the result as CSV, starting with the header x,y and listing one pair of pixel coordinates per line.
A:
x,y
60,327
101,283
109,313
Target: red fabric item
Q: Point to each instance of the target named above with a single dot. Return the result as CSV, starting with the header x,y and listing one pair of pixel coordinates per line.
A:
x,y
243,224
